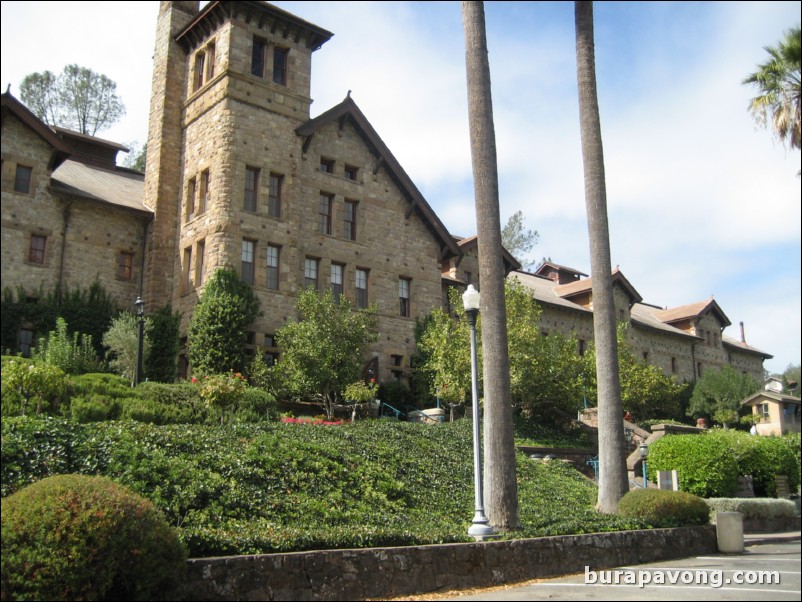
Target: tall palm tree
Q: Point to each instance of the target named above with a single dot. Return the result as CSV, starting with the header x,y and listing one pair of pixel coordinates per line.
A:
x,y
779,81
500,486
613,481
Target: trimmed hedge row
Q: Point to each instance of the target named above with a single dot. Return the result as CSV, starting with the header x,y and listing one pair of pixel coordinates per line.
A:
x,y
710,463
661,508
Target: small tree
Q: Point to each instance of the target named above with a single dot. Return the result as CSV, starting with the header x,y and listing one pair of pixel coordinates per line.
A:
x,y
217,329
163,333
322,351
719,393
122,342
73,354
518,240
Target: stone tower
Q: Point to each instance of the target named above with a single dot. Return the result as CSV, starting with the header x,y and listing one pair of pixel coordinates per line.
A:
x,y
164,159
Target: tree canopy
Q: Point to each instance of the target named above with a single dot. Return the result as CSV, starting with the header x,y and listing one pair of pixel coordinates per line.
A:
x,y
323,350
719,393
77,99
218,327
778,79
518,240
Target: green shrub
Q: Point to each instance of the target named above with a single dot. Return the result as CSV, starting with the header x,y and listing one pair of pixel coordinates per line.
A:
x,y
101,383
32,387
761,457
74,354
73,537
180,403
94,408
706,465
255,405
752,507
662,508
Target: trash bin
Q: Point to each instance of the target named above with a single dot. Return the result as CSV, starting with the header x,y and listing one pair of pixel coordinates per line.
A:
x,y
730,532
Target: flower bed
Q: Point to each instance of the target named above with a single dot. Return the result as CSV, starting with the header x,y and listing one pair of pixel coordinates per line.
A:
x,y
291,420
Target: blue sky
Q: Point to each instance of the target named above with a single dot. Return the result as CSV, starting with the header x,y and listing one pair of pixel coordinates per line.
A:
x,y
701,201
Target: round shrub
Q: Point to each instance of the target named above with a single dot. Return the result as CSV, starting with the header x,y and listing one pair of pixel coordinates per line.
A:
x,y
706,465
661,508
73,537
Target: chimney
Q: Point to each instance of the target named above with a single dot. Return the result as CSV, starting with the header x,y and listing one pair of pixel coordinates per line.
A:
x,y
743,336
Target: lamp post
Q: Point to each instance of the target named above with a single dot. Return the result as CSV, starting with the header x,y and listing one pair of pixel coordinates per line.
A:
x,y
480,528
140,314
643,450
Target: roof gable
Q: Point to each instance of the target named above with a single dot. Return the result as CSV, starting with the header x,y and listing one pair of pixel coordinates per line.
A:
x,y
472,242
581,287
10,105
348,112
693,311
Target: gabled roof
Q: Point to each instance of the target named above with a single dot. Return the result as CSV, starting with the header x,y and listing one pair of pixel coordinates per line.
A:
x,y
693,311
9,104
265,14
348,112
556,266
778,397
572,289
743,346
510,263
123,189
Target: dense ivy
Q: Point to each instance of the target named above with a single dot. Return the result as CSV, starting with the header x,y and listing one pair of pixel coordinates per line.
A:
x,y
257,488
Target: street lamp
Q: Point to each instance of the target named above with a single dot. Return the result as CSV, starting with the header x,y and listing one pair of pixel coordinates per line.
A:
x,y
643,450
480,529
140,314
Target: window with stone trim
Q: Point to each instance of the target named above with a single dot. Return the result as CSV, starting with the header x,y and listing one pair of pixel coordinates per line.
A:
x,y
258,57
310,272
200,262
673,365
350,220
248,261
361,289
36,249
280,56
203,193
326,165
251,188
350,172
125,265
276,192
22,179
211,57
190,210
273,266
404,288
337,273
324,213
187,269
200,70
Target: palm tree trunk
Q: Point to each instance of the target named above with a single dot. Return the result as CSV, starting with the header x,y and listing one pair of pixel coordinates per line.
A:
x,y
613,483
501,490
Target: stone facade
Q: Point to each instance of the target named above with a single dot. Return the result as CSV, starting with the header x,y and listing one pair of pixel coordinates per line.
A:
x,y
238,175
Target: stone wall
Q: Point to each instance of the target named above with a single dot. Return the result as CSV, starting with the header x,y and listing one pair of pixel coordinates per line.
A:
x,y
388,572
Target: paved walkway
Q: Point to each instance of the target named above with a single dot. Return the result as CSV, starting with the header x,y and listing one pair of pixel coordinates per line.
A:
x,y
769,569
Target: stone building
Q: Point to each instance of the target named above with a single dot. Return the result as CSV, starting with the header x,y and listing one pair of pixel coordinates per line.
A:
x,y
239,175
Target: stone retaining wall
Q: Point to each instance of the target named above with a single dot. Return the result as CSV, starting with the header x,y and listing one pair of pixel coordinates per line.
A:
x,y
387,572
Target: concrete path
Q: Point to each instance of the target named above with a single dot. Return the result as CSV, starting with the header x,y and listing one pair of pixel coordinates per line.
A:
x,y
769,569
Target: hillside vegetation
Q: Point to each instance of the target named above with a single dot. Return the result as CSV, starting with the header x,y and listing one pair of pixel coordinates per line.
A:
x,y
270,487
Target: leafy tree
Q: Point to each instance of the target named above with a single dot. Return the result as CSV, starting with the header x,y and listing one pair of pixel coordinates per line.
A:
x,y
613,483
444,357
646,391
323,350
790,380
518,240
218,327
778,80
122,341
501,501
719,393
136,157
78,99
163,332
43,385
